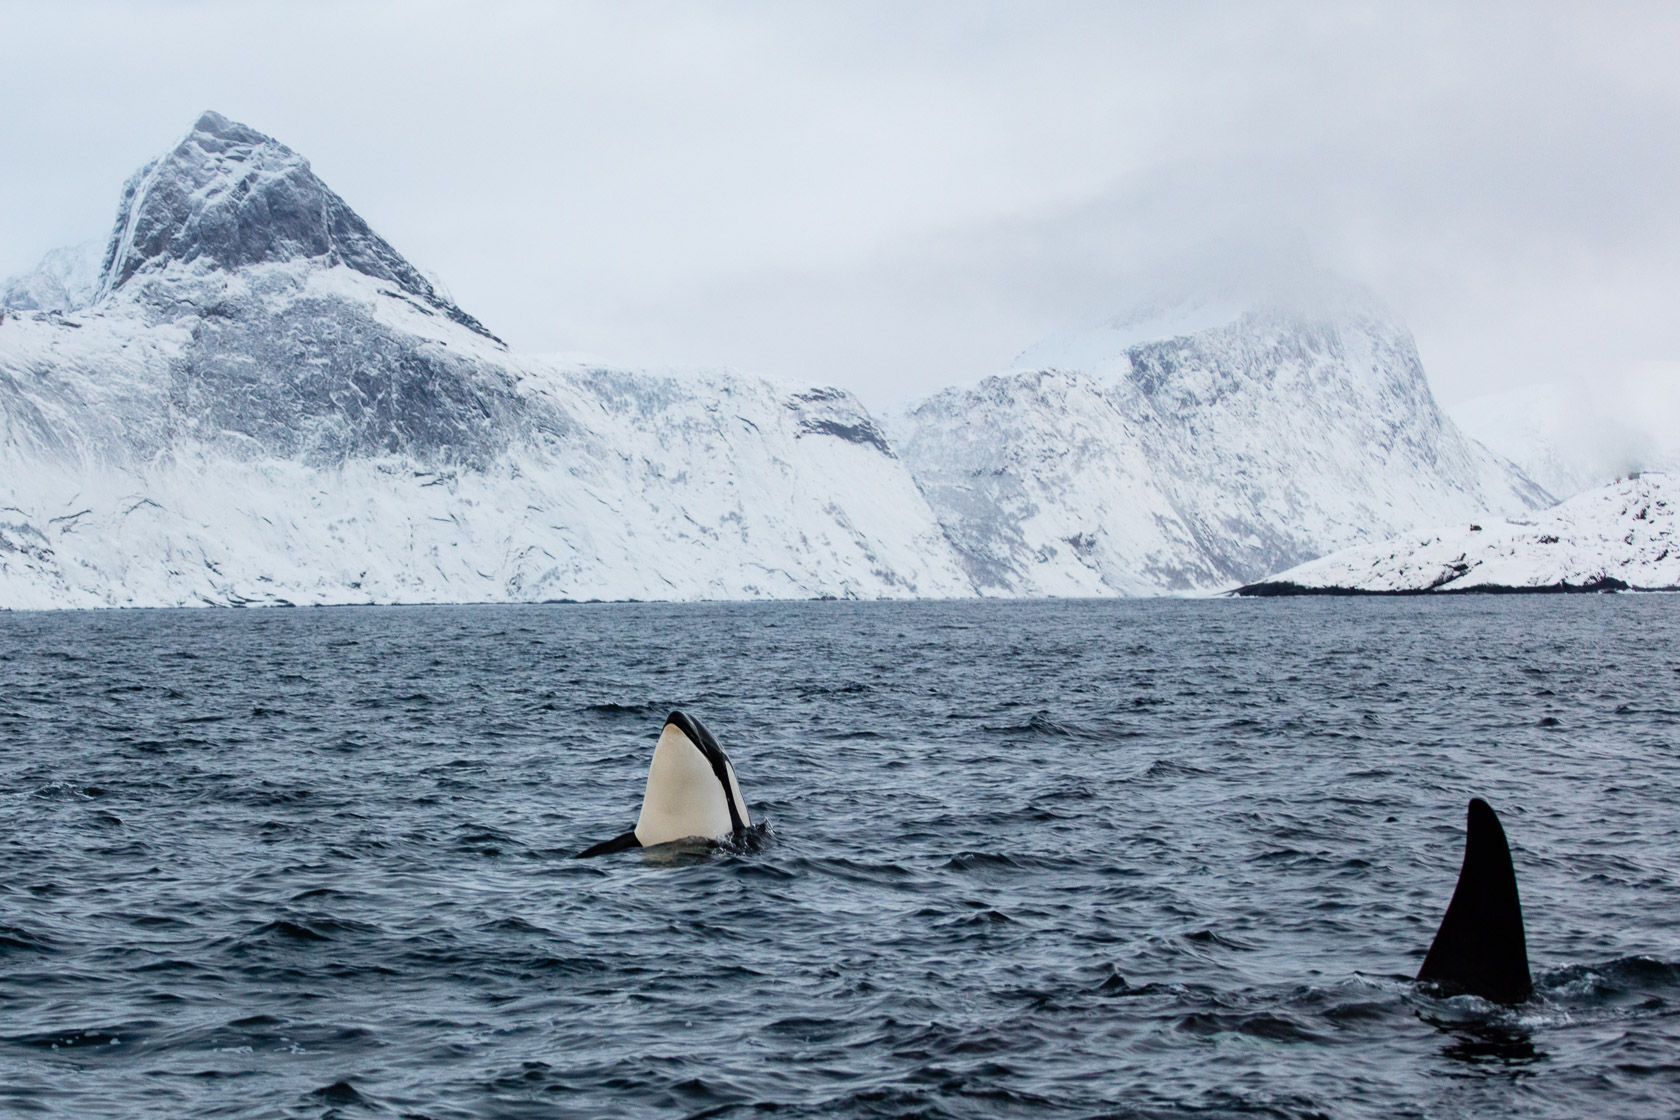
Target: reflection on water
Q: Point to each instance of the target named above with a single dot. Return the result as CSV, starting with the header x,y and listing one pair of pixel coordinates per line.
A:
x,y
1482,1044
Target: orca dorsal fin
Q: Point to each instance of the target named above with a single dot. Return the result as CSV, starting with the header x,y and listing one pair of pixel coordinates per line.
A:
x,y
1480,947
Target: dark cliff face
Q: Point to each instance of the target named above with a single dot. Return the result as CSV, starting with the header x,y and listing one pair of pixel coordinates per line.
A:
x,y
232,196
835,412
322,381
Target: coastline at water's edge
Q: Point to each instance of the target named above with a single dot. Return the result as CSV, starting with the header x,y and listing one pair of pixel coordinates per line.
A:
x,y
1283,588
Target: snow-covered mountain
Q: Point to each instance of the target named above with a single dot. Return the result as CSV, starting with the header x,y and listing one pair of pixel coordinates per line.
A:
x,y
1132,459
252,397
260,400
66,280
1565,439
1615,537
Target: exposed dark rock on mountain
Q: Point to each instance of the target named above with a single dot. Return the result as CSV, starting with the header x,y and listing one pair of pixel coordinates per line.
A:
x,y
229,196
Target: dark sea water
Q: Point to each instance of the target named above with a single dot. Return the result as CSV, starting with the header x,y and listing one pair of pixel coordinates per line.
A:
x,y
1058,859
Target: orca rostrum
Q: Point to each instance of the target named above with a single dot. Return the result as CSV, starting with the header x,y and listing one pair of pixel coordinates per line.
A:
x,y
691,792
1480,947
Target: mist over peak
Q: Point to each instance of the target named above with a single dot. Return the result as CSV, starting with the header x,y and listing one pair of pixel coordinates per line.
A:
x,y
1197,295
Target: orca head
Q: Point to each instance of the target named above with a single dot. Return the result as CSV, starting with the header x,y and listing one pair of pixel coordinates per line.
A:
x,y
691,788
1480,947
691,792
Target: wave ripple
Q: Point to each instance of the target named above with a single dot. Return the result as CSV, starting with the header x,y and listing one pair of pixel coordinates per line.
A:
x,y
1141,859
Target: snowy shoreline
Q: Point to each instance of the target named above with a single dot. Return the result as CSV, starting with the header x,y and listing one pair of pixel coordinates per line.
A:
x,y
1619,537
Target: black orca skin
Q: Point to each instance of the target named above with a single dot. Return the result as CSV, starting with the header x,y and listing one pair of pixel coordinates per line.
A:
x,y
1480,947
607,847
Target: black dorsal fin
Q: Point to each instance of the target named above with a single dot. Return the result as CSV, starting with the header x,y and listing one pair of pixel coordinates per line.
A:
x,y
1480,947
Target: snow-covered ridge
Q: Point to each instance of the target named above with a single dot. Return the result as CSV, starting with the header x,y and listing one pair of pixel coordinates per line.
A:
x,y
261,401
1616,537
433,469
67,279
1199,461
265,403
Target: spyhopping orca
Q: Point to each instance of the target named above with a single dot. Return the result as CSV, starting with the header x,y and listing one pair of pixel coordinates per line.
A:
x,y
691,792
1480,946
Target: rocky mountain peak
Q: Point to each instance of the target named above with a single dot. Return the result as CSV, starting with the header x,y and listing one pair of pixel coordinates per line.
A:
x,y
230,196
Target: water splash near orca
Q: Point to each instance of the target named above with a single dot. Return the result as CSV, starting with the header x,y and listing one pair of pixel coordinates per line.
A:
x,y
1480,947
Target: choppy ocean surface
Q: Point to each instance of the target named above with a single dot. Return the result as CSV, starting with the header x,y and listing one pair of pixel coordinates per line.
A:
x,y
1063,859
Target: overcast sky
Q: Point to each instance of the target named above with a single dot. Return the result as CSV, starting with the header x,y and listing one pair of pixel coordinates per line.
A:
x,y
898,196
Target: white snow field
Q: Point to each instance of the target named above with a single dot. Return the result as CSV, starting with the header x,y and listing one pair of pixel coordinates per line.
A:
x,y
1615,537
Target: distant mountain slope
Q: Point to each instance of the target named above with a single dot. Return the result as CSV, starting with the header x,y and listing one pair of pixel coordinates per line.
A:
x,y
1617,536
1199,460
66,280
1563,440
264,402
1044,484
